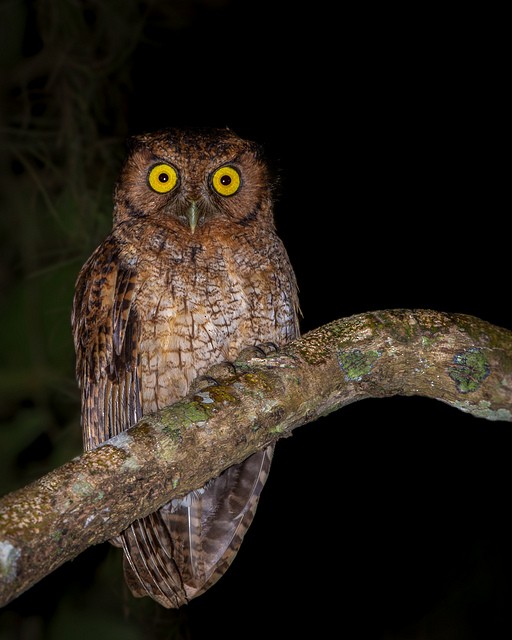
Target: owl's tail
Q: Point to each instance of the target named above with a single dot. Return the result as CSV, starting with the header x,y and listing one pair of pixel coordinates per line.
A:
x,y
180,551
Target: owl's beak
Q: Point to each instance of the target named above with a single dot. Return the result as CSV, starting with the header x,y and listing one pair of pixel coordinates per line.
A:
x,y
193,216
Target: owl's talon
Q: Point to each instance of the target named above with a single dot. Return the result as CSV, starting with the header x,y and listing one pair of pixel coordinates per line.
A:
x,y
249,352
216,375
202,382
268,347
222,371
256,351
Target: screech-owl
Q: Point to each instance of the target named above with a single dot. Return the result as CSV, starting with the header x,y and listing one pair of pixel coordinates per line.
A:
x,y
191,273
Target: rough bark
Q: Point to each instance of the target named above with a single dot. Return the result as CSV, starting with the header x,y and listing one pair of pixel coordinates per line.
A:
x,y
457,359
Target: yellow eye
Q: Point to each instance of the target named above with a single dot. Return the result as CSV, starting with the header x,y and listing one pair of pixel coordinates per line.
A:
x,y
226,181
162,178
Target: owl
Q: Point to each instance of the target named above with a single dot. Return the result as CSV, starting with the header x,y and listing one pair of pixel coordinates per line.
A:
x,y
191,273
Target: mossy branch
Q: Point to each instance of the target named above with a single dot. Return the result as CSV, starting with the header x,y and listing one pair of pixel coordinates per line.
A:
x,y
457,359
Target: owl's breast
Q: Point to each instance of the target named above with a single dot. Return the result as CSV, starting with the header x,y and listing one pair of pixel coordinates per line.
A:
x,y
193,316
201,300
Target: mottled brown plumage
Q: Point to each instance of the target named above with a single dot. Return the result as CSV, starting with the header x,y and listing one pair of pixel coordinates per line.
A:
x,y
192,273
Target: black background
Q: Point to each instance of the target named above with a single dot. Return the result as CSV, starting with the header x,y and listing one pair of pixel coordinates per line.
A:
x,y
389,518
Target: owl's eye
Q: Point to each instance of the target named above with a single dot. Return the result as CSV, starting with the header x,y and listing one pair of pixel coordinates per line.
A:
x,y
226,181
162,178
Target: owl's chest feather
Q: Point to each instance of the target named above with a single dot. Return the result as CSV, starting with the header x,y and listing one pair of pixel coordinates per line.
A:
x,y
200,307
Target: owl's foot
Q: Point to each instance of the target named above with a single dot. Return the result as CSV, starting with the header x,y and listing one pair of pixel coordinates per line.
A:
x,y
218,374
256,351
222,372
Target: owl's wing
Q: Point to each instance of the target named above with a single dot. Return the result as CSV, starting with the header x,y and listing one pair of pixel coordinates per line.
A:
x,y
106,333
180,551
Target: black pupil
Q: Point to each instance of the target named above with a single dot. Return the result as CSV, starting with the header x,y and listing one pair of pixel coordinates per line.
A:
x,y
163,177
225,180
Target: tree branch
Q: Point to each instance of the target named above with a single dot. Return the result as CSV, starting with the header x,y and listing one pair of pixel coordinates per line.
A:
x,y
457,359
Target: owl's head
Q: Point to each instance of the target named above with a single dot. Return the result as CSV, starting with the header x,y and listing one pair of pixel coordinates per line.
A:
x,y
194,177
